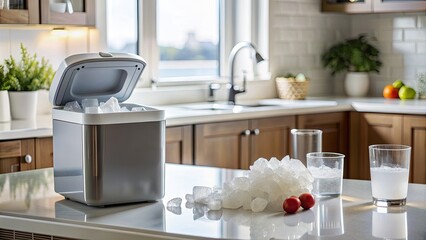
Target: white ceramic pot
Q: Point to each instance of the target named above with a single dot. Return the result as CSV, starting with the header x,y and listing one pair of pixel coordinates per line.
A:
x,y
23,104
4,106
357,84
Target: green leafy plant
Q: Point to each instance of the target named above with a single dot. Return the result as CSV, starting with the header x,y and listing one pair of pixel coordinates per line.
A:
x,y
353,55
3,83
27,75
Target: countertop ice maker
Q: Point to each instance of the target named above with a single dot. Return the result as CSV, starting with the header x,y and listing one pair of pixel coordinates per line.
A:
x,y
105,158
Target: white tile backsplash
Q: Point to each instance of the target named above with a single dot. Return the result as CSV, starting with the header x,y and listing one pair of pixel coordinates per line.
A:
x,y
299,34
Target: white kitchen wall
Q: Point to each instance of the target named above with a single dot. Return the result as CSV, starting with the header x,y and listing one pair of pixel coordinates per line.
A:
x,y
401,39
54,46
299,34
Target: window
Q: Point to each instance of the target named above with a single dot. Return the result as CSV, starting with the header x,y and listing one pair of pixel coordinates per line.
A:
x,y
188,38
122,26
189,41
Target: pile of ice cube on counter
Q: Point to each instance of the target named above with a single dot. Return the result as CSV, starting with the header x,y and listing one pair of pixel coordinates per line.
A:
x,y
92,106
265,186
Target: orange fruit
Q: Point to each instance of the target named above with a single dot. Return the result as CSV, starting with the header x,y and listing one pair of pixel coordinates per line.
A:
x,y
390,92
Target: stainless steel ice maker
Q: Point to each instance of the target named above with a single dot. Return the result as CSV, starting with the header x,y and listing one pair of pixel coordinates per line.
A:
x,y
106,158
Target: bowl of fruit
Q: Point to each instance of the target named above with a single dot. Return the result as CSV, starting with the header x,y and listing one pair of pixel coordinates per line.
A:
x,y
399,90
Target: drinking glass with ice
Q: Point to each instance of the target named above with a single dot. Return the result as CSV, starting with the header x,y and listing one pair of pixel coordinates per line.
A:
x,y
327,170
389,170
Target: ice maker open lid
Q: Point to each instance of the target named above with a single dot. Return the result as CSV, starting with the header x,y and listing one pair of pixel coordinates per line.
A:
x,y
96,75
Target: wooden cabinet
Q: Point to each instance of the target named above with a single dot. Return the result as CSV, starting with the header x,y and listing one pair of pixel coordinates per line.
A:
x,y
376,128
17,155
29,15
399,6
179,144
414,135
335,132
83,15
237,144
364,6
25,154
371,6
44,152
39,12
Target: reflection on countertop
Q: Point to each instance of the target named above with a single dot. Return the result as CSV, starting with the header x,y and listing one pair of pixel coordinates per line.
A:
x,y
351,216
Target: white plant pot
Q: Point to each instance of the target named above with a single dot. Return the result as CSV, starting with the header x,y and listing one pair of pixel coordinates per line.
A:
x,y
357,84
4,106
23,104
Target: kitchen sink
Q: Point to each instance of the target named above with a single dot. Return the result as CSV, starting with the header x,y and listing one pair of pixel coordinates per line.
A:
x,y
278,103
223,106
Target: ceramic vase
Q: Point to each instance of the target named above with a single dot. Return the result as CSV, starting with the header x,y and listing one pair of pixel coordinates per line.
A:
x,y
23,104
4,106
357,84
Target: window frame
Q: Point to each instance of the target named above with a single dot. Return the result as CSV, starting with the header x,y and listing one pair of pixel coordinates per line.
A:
x,y
228,37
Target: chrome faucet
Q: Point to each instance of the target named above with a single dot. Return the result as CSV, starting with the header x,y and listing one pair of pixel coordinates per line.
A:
x,y
234,90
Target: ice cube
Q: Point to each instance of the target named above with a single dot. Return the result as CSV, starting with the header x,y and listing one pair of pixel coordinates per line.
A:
x,y
124,109
201,193
175,210
138,109
258,204
73,107
110,106
92,110
189,198
214,204
174,202
214,214
91,102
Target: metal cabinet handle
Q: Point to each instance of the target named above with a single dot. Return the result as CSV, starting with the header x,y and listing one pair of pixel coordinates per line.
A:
x,y
28,158
246,132
255,132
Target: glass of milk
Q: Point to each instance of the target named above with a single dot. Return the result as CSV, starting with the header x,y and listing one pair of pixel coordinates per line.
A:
x,y
389,170
327,170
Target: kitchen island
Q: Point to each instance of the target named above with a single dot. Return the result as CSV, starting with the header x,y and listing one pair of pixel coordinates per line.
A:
x,y
29,205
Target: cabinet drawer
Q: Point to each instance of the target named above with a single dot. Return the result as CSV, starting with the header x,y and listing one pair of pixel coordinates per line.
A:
x,y
10,149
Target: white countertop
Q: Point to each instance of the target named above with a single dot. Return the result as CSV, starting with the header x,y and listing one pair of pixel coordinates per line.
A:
x,y
182,115
33,206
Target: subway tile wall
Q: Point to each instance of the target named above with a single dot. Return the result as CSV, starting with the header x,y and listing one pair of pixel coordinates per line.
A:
x,y
401,38
300,33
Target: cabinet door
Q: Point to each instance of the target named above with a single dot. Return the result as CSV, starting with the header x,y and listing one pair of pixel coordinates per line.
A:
x,y
334,128
270,137
377,129
222,144
27,14
13,155
347,6
415,136
399,6
83,13
179,145
44,152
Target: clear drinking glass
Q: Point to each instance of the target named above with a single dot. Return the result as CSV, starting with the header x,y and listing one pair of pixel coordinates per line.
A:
x,y
305,141
389,170
327,170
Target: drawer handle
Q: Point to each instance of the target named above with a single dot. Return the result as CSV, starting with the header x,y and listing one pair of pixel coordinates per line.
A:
x,y
28,158
246,132
255,132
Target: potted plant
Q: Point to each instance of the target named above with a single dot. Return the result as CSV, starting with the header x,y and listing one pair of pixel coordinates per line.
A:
x,y
24,78
4,98
357,57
